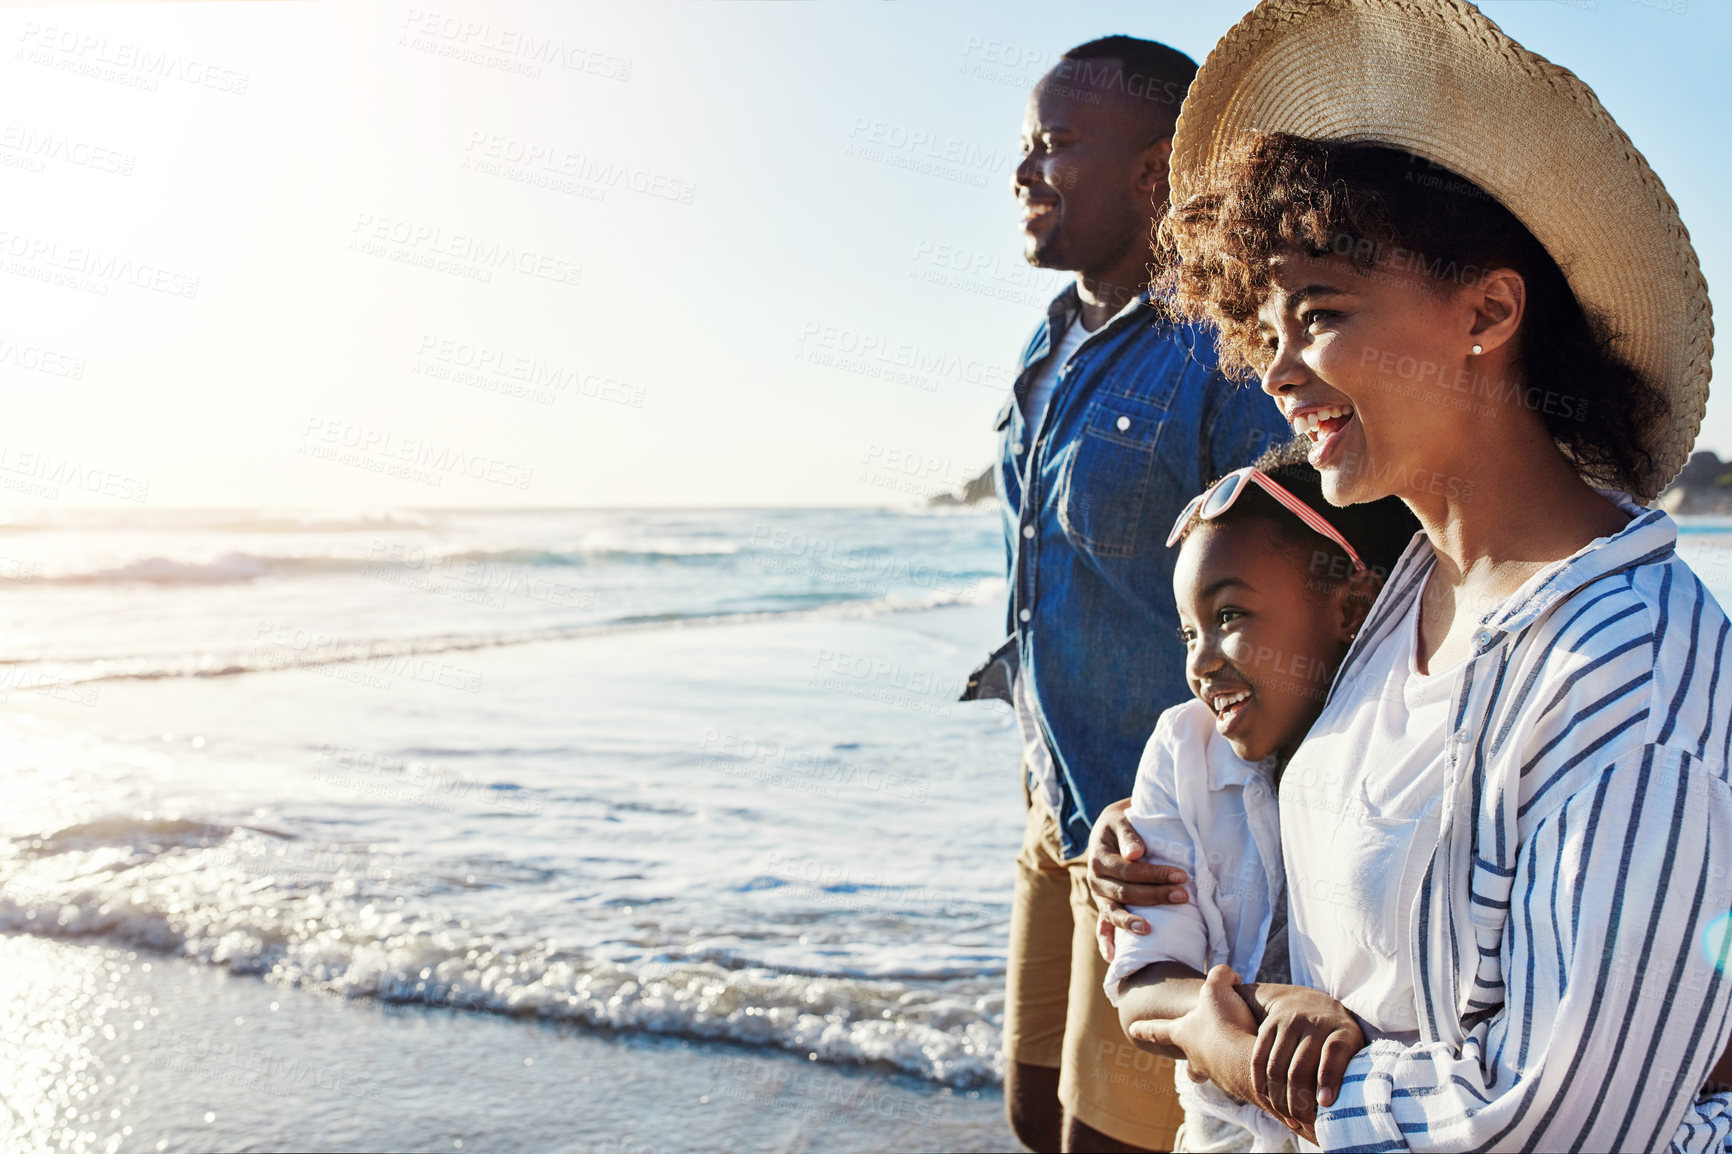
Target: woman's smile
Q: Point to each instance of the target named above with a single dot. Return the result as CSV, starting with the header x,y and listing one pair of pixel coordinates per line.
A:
x,y
1324,426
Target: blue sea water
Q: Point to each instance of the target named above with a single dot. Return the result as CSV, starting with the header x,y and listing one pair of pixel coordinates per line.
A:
x,y
695,773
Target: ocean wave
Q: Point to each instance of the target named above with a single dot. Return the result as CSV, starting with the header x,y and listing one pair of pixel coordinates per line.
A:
x,y
156,834
238,568
216,520
392,656
353,923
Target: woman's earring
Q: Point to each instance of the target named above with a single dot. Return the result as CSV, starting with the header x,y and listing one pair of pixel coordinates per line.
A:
x,y
1477,350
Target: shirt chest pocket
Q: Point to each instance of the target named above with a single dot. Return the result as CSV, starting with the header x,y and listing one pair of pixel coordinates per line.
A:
x,y
1108,481
1381,866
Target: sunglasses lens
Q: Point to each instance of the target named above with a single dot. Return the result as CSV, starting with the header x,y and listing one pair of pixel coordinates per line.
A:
x,y
1222,496
1184,519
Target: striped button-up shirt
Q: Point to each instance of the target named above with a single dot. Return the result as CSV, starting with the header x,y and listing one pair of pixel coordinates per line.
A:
x,y
1570,937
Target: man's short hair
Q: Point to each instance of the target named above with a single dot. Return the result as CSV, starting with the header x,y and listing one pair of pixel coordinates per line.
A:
x,y
1152,75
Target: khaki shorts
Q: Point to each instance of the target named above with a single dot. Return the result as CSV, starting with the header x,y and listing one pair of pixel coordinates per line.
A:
x,y
1056,1014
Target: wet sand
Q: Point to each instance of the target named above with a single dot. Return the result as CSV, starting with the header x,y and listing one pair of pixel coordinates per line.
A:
x,y
118,1050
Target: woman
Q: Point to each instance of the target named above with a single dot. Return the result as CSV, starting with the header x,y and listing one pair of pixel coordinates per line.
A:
x,y
1508,837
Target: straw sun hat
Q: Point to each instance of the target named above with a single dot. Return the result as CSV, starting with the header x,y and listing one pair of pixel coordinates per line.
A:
x,y
1438,79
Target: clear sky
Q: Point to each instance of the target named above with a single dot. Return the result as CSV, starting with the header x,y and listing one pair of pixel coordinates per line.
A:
x,y
303,254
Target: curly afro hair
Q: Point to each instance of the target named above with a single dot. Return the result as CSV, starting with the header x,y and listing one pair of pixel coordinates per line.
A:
x,y
1375,206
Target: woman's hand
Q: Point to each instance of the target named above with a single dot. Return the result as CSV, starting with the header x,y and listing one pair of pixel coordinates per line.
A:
x,y
1303,1047
1118,877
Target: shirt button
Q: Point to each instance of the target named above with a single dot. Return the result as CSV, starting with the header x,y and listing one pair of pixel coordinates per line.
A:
x,y
1016,448
1124,423
1462,736
1028,530
1024,615
1482,638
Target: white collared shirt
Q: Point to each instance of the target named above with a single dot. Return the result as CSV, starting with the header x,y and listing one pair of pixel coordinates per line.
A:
x,y
1199,806
1362,801
1572,985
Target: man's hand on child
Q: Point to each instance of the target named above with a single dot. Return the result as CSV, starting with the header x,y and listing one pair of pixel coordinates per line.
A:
x,y
1303,1047
1118,877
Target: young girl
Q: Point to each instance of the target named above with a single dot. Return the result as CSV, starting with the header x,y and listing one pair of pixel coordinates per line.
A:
x,y
1272,584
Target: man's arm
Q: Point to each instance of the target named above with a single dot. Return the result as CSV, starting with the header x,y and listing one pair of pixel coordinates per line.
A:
x,y
1616,988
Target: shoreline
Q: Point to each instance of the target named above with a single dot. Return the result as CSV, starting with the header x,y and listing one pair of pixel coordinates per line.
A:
x,y
120,1050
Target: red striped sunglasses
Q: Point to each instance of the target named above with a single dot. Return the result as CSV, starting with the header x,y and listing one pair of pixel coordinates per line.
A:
x,y
1219,497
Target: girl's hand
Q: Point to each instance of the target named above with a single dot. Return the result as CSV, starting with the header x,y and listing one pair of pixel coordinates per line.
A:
x,y
1302,1051
1217,1038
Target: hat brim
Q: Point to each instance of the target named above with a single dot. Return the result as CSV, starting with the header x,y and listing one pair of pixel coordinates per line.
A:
x,y
1440,80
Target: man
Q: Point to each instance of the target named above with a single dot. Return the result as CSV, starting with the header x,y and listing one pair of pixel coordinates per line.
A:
x,y
1118,418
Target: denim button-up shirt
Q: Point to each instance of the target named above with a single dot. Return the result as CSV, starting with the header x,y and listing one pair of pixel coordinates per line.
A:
x,y
1139,423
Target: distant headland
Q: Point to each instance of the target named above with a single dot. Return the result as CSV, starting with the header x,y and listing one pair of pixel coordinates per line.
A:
x,y
978,490
1704,487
